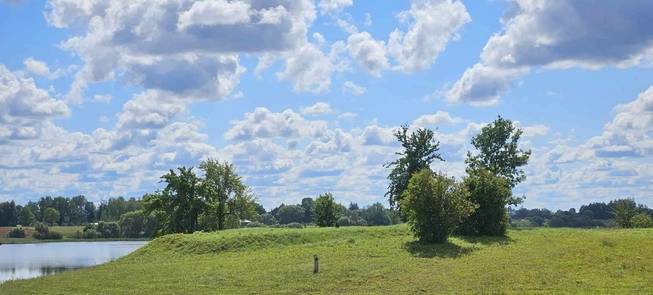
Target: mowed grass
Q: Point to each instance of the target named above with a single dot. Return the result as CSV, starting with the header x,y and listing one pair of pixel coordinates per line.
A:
x,y
368,260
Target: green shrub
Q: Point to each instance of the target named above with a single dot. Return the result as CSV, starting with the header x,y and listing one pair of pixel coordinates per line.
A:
x,y
268,219
492,194
255,224
294,225
42,232
90,233
108,230
131,224
642,220
17,232
435,205
344,221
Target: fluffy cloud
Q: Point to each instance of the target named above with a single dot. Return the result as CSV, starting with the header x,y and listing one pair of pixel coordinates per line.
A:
x,y
433,23
630,133
40,68
308,68
24,107
319,108
353,88
438,118
558,34
370,53
327,6
156,42
262,123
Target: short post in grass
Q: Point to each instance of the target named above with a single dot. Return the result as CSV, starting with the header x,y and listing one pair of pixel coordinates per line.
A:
x,y
316,264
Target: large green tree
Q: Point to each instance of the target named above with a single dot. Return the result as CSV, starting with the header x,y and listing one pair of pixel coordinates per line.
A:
x,y
498,151
624,211
419,150
220,184
178,206
326,210
51,216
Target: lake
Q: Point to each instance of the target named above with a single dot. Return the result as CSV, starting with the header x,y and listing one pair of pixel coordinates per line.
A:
x,y
23,261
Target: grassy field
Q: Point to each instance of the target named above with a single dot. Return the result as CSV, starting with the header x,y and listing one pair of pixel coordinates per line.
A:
x,y
368,260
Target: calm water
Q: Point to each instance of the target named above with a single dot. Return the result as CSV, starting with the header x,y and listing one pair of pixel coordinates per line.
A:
x,y
23,261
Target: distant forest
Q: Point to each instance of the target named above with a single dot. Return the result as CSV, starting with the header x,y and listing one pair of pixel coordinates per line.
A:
x,y
80,211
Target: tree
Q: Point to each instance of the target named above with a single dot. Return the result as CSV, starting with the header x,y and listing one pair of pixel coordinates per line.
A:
x,y
291,213
131,224
420,149
268,219
309,207
178,206
642,220
8,214
220,184
51,216
376,214
435,205
25,216
241,206
325,210
492,194
498,151
624,211
599,210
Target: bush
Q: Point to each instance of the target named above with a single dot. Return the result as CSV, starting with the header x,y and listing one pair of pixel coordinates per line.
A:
x,y
642,220
435,205
17,232
522,223
325,210
291,214
268,219
255,224
42,232
492,194
344,221
108,230
90,232
131,224
294,225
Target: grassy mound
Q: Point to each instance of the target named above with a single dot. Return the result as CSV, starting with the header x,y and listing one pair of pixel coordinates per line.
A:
x,y
368,260
259,238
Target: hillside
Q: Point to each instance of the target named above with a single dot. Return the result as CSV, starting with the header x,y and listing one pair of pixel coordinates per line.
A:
x,y
368,260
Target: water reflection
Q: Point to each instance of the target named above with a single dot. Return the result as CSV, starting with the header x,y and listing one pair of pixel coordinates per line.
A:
x,y
33,260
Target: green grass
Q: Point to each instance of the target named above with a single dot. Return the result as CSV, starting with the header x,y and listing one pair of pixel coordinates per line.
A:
x,y
368,260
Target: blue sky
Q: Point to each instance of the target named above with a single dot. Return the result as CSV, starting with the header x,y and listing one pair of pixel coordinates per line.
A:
x,y
100,98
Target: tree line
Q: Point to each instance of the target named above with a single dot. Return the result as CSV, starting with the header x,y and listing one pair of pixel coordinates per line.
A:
x,y
624,213
65,211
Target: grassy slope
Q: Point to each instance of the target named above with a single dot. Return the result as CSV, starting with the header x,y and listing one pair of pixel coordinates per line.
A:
x,y
364,260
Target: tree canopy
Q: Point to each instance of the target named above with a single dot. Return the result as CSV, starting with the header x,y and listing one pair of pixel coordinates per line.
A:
x,y
498,151
419,150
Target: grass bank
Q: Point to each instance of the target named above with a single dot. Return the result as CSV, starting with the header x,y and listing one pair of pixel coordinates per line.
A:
x,y
368,260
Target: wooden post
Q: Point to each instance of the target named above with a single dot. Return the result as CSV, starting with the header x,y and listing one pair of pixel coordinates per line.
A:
x,y
316,264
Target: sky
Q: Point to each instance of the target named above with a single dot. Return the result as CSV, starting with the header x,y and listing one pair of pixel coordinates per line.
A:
x,y
102,97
